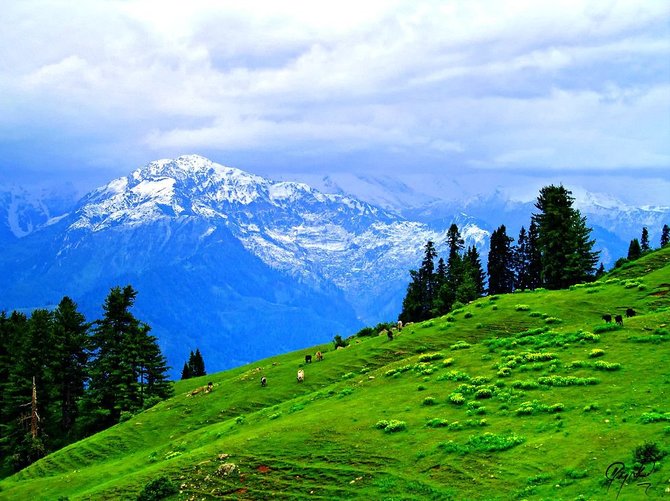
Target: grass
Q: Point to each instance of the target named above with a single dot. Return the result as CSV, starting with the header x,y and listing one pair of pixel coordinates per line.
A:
x,y
510,406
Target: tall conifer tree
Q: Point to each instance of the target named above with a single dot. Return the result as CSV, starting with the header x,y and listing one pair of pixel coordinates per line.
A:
x,y
665,235
564,239
500,264
644,241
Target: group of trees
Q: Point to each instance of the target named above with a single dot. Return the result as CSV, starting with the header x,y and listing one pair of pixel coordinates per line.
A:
x,y
434,290
639,247
195,366
555,252
62,378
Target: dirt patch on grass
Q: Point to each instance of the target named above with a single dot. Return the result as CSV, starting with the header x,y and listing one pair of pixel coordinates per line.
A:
x,y
263,469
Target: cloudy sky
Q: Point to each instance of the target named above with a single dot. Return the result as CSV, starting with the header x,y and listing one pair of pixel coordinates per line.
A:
x,y
485,90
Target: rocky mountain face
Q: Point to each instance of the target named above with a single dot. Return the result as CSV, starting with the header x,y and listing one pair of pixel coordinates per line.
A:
x,y
233,263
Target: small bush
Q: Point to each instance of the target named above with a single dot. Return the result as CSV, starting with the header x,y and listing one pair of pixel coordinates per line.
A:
x,y
552,320
468,314
428,357
447,362
420,387
395,426
606,366
535,314
522,307
527,384
158,489
490,442
338,341
457,398
505,372
437,423
654,417
484,392
649,452
429,401
366,331
599,329
575,474
494,307
275,415
591,408
461,345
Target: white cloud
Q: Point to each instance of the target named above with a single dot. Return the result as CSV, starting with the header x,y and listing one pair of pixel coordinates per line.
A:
x,y
502,85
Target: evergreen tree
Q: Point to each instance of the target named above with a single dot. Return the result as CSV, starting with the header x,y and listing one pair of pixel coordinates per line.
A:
x,y
418,302
446,296
186,371
152,369
601,271
32,342
521,260
534,257
475,270
123,365
500,264
665,235
634,249
70,358
644,240
563,239
197,364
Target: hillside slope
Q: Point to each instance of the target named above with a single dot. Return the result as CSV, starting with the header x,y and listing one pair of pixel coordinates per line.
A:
x,y
527,396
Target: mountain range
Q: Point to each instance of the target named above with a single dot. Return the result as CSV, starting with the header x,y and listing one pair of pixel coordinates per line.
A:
x,y
242,266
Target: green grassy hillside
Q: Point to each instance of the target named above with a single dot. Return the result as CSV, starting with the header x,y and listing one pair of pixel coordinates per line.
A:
x,y
522,396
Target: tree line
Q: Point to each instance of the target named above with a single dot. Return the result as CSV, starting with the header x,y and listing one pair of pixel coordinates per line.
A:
x,y
555,252
638,248
63,378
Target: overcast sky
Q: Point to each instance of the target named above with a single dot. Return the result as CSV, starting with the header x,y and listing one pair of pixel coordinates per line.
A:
x,y
479,89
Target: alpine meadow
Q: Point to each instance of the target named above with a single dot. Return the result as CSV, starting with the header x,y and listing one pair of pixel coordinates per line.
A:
x,y
527,395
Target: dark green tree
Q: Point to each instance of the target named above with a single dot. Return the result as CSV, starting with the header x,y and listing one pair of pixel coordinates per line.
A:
x,y
186,371
419,299
446,295
644,240
665,235
634,249
601,271
197,364
70,360
563,239
534,257
501,262
521,260
475,271
119,371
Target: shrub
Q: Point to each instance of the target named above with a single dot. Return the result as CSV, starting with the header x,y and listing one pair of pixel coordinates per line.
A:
x,y
447,362
505,372
420,387
338,341
527,384
490,442
427,357
535,314
457,398
522,307
606,366
158,489
381,424
394,426
567,381
346,391
479,380
484,392
429,401
599,329
366,331
552,320
454,376
575,474
654,417
437,423
494,307
275,415
649,452
468,314
461,345
591,407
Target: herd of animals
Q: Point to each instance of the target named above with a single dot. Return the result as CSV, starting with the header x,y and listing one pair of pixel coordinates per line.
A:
x,y
630,312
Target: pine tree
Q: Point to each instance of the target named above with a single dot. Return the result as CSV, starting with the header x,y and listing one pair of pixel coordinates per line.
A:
x,y
634,249
475,270
601,271
521,260
563,239
500,264
644,240
32,342
70,357
186,371
534,257
197,364
665,235
127,367
446,296
418,302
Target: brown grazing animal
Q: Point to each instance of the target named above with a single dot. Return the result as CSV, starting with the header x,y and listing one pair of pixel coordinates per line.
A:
x,y
319,356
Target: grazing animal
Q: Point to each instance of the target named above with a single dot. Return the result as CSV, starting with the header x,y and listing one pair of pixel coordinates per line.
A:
x,y
399,325
264,381
301,376
607,318
308,359
389,334
630,312
319,356
618,319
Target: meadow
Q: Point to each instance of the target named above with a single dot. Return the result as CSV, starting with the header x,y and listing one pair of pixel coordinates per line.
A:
x,y
528,395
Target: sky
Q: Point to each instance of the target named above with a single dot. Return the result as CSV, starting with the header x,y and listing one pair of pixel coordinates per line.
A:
x,y
493,93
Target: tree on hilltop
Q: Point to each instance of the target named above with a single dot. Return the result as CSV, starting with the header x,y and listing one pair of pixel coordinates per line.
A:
x,y
564,241
644,240
665,235
501,262
634,249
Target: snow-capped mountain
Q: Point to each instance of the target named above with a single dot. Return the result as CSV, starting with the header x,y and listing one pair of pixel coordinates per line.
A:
x,y
282,263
